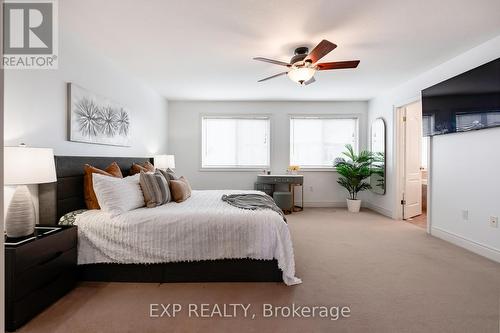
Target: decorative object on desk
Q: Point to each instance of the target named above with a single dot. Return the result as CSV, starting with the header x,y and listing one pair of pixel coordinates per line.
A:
x,y
95,119
353,172
25,166
293,169
165,162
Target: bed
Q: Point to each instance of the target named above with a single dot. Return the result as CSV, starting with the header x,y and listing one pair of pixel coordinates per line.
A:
x,y
202,239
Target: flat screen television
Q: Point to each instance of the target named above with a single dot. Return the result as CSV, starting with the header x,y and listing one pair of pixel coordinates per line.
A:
x,y
466,102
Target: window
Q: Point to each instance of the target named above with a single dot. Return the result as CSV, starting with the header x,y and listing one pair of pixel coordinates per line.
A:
x,y
235,142
315,142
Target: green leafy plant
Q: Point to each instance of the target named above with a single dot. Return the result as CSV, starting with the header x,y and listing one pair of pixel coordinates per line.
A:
x,y
378,170
354,170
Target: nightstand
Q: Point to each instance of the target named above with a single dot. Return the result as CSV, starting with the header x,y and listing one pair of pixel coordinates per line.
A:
x,y
39,269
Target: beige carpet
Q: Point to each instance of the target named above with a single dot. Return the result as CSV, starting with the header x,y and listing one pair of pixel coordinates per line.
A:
x,y
393,276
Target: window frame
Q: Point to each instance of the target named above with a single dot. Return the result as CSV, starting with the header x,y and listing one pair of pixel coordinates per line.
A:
x,y
234,116
356,147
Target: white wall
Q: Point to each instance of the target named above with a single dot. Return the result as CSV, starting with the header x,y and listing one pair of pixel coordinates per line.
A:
x,y
35,104
467,179
184,140
454,184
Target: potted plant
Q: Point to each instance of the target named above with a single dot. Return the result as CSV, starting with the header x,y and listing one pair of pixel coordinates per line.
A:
x,y
353,171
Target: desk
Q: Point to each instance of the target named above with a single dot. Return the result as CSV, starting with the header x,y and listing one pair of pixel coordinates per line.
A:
x,y
291,180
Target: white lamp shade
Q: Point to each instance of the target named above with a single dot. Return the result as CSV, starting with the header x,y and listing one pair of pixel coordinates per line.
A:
x,y
26,165
165,161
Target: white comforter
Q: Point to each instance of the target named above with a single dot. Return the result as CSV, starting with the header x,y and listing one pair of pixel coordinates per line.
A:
x,y
200,228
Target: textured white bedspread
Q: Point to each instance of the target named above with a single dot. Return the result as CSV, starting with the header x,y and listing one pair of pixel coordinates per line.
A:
x,y
201,228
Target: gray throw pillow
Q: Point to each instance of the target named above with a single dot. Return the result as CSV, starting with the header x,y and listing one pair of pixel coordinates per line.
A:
x,y
169,174
155,189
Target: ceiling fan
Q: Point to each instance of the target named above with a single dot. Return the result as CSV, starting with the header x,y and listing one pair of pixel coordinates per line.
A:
x,y
304,64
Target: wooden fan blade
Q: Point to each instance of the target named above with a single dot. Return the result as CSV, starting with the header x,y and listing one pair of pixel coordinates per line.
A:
x,y
321,50
276,62
272,77
337,65
311,80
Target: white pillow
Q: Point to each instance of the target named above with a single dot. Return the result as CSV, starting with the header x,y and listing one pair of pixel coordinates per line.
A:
x,y
118,195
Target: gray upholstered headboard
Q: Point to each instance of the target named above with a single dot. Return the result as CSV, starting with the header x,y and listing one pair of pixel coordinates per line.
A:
x,y
57,199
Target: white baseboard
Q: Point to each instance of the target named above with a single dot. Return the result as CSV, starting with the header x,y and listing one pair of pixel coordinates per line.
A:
x,y
378,209
473,246
324,204
343,204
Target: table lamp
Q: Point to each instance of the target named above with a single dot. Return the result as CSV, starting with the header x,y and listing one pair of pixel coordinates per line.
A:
x,y
164,161
25,166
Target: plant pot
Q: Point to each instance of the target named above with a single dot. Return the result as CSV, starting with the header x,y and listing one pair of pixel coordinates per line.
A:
x,y
353,205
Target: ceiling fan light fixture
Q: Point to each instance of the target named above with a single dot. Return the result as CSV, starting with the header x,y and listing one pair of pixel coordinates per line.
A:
x,y
302,74
304,64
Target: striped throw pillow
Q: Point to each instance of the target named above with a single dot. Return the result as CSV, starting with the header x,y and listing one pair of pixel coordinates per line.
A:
x,y
155,189
169,174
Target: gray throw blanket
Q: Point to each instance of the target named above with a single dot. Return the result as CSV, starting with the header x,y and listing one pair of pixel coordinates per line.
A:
x,y
252,201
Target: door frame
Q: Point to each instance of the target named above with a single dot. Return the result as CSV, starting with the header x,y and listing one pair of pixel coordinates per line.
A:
x,y
399,156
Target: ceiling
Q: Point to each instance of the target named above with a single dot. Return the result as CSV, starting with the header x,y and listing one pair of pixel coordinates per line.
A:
x,y
202,50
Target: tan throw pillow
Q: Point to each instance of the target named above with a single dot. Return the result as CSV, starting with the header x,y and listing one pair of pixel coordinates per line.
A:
x,y
137,168
113,170
155,189
180,189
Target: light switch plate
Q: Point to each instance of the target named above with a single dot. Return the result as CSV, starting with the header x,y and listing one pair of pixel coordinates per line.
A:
x,y
494,221
465,215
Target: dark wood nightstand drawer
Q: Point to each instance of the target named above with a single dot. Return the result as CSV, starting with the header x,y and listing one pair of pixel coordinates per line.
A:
x,y
43,250
38,271
44,273
23,310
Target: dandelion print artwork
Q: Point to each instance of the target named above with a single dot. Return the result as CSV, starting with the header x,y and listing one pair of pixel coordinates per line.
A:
x,y
88,117
95,119
123,122
109,121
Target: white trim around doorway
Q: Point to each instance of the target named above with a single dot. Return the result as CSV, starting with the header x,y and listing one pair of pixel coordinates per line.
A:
x,y
399,165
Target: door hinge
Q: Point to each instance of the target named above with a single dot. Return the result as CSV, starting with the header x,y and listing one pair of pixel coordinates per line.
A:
x,y
404,118
403,202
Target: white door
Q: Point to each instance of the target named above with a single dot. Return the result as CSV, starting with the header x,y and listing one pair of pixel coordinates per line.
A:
x,y
413,177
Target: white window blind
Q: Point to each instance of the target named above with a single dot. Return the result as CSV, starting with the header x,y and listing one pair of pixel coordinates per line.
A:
x,y
234,142
315,142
